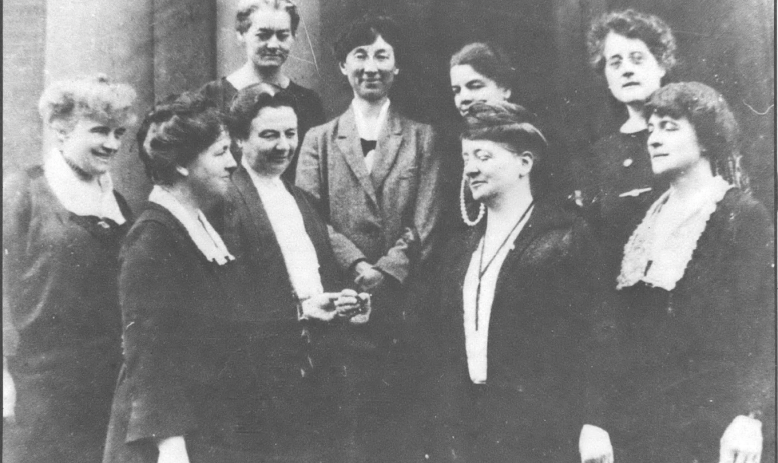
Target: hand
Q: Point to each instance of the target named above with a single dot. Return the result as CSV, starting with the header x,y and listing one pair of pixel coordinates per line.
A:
x,y
348,303
595,445
320,307
366,308
172,450
9,396
368,277
741,441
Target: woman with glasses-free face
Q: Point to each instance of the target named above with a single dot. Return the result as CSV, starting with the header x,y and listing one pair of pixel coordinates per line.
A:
x,y
370,70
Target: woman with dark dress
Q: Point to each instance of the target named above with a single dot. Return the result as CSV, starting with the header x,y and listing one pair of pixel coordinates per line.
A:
x,y
267,29
521,308
196,361
62,226
697,272
634,51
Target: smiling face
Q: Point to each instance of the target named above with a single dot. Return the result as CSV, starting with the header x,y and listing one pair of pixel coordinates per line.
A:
x,y
631,70
269,39
91,145
673,145
209,173
371,69
492,169
471,87
272,141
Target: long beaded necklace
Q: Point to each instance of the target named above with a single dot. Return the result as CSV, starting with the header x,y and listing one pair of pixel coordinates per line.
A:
x,y
482,269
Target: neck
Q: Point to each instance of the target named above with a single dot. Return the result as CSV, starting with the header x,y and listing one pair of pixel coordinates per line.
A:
x,y
509,206
81,173
184,194
249,74
370,109
693,180
636,120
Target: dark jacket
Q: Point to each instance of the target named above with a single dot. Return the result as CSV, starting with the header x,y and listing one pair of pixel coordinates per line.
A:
x,y
548,335
701,354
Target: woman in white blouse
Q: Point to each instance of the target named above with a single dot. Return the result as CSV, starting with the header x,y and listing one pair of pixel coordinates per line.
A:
x,y
521,302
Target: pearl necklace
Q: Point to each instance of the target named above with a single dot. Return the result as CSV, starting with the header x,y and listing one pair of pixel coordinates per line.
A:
x,y
463,209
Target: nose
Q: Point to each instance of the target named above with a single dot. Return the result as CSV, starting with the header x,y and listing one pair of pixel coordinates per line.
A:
x,y
654,140
284,143
370,66
112,142
229,162
463,98
470,168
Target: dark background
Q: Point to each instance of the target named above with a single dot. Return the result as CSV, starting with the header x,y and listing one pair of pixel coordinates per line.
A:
x,y
163,46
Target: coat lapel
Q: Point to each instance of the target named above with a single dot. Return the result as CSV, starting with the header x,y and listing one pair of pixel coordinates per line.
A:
x,y
389,141
261,235
351,149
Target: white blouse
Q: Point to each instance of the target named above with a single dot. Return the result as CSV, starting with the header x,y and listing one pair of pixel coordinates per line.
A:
x,y
298,251
477,340
368,131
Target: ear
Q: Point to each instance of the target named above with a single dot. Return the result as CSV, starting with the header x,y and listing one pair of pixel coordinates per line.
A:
x,y
396,71
507,93
527,160
240,36
342,67
183,171
662,72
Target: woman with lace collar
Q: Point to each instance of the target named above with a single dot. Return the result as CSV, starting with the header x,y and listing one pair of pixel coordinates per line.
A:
x,y
62,227
697,275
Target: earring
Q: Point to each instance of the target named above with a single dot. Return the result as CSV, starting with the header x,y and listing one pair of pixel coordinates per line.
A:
x,y
463,209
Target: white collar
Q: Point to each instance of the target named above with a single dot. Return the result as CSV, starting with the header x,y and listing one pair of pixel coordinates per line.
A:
x,y
95,197
662,264
366,130
196,224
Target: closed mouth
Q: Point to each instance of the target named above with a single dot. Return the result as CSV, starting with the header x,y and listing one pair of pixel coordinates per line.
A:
x,y
631,84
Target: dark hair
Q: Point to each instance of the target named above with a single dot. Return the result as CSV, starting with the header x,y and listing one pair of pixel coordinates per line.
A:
x,y
715,125
512,125
175,132
249,101
364,32
247,7
488,60
652,30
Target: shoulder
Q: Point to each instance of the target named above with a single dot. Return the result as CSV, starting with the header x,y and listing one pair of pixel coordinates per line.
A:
x,y
155,230
17,188
742,213
304,93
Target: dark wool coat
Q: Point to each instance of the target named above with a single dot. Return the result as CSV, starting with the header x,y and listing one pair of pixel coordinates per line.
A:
x,y
61,322
549,334
701,354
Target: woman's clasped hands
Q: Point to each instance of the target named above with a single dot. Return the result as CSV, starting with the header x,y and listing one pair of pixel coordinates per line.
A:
x,y
347,304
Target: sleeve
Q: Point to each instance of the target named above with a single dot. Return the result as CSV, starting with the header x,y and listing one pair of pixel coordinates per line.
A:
x,y
312,177
16,220
418,238
152,293
754,270
594,299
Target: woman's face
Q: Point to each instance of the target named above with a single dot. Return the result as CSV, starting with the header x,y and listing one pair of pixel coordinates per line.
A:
x,y
471,87
631,70
91,144
492,169
673,145
269,39
272,141
209,172
371,69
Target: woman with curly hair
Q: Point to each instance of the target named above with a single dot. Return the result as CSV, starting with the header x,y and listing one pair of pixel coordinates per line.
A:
x,y
697,275
63,224
634,51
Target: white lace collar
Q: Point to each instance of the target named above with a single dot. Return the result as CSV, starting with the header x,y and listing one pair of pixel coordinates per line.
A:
x,y
79,196
662,264
197,226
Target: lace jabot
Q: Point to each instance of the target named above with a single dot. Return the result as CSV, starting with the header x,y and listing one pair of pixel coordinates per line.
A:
x,y
661,247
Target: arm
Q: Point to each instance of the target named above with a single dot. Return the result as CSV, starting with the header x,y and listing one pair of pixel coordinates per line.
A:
x,y
418,236
153,309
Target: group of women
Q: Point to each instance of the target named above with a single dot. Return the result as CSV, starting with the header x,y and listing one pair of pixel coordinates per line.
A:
x,y
348,317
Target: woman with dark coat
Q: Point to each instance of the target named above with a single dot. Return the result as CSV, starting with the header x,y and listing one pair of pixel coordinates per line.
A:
x,y
522,310
697,273
62,227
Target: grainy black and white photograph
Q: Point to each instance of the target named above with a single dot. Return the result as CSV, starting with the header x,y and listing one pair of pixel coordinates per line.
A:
x,y
389,231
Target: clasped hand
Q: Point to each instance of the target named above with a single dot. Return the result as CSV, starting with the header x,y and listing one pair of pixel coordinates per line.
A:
x,y
329,306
